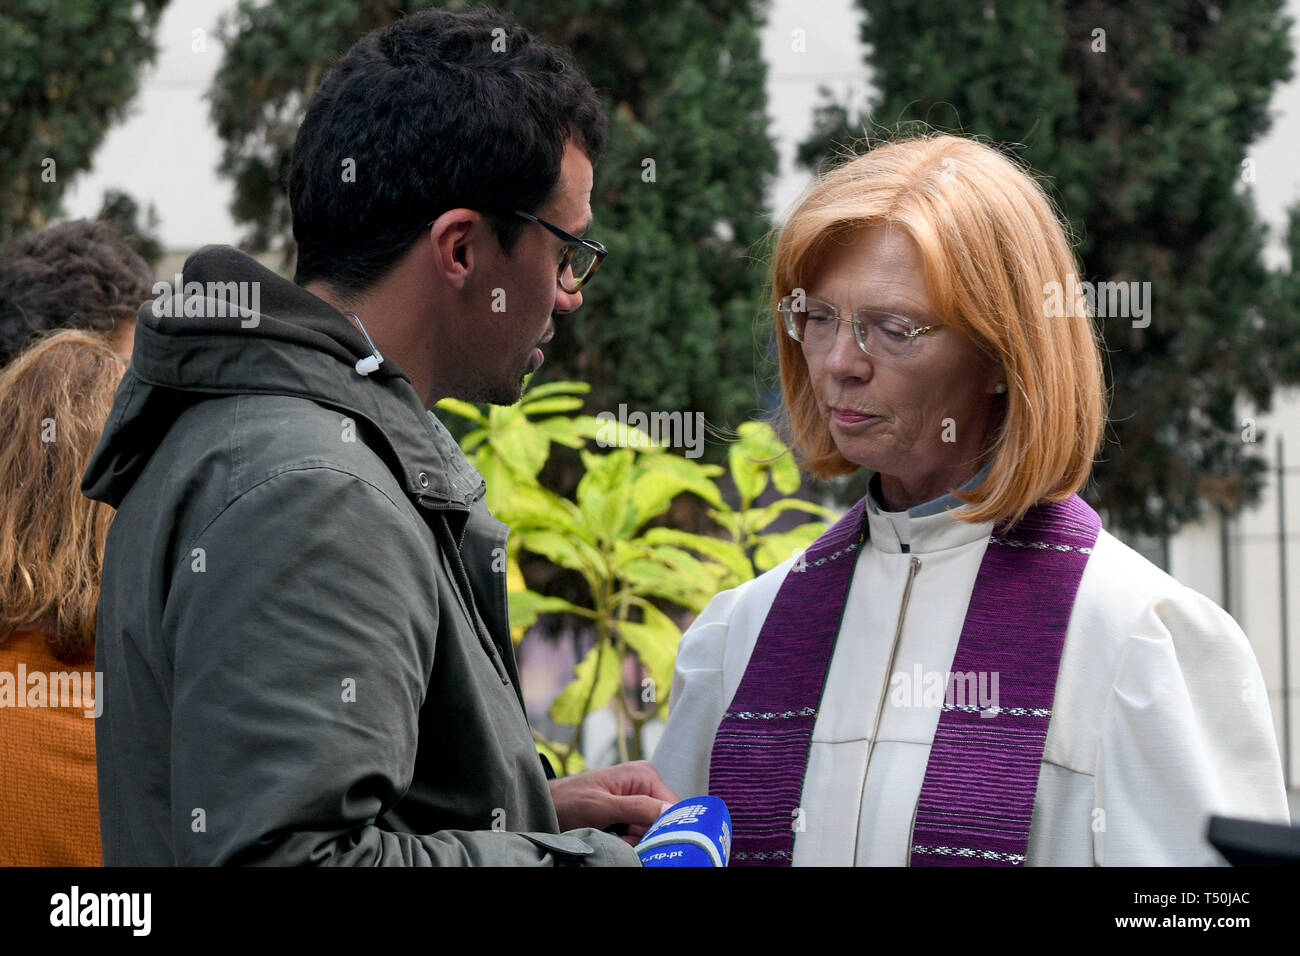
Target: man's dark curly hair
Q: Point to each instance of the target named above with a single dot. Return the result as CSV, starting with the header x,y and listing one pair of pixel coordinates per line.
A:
x,y
438,110
78,274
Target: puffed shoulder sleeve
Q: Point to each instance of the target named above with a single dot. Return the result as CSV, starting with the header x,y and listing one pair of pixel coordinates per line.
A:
x,y
696,705
1187,732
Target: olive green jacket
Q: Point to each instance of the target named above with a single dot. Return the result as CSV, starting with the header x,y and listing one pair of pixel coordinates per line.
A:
x,y
303,627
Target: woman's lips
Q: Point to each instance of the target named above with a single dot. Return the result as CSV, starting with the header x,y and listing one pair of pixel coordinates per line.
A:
x,y
847,416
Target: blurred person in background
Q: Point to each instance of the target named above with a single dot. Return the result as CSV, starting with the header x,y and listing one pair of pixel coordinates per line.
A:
x,y
54,399
78,274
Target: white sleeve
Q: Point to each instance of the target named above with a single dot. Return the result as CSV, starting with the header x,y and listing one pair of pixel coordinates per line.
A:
x,y
1187,732
695,704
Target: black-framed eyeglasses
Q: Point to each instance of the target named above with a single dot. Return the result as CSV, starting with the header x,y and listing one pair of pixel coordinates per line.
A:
x,y
882,335
581,258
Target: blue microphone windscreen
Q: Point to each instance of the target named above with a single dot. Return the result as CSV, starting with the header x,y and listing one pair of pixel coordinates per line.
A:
x,y
676,854
700,823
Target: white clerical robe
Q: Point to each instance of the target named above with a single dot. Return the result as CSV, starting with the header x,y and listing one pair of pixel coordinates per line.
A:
x,y
1160,717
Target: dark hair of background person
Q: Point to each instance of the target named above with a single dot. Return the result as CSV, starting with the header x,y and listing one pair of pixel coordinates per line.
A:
x,y
79,274
433,118
55,397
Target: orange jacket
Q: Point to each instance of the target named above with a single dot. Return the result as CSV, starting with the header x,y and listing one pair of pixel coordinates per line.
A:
x,y
49,808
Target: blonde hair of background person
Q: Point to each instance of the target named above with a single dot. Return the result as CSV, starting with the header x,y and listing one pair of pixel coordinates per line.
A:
x,y
986,284
54,399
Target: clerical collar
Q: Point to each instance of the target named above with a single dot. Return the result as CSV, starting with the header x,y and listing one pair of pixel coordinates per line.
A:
x,y
934,506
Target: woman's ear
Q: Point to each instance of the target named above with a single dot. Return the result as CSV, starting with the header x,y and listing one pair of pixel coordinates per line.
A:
x,y
995,376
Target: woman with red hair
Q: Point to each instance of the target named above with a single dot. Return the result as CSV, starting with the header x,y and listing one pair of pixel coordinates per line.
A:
x,y
966,669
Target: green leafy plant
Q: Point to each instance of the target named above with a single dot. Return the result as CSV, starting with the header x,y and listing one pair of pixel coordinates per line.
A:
x,y
640,576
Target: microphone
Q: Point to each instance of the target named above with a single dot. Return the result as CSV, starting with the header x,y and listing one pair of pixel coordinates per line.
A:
x,y
694,832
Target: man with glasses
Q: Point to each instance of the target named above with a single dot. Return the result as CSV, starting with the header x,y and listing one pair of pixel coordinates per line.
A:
x,y
303,624
542,276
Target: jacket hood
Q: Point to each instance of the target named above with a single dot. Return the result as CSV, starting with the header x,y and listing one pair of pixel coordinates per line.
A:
x,y
227,326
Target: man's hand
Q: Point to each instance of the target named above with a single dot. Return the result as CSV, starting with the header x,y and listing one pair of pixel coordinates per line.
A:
x,y
630,794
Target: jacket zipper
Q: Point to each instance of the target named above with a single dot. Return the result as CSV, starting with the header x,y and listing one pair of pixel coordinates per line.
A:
x,y
467,598
913,567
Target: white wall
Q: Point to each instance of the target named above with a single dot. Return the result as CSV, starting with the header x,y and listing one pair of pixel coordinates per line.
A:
x,y
167,150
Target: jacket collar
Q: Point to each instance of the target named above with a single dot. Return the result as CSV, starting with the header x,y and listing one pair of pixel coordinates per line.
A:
x,y
294,344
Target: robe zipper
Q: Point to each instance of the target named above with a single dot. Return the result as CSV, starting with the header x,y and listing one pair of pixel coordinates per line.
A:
x,y
913,566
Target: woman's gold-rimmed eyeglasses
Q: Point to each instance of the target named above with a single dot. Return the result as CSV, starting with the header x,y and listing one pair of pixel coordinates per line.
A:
x,y
882,335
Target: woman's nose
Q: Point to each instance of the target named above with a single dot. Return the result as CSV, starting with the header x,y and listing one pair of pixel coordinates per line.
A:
x,y
846,358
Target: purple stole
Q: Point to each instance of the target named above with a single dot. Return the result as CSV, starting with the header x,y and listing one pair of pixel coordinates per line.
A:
x,y
978,794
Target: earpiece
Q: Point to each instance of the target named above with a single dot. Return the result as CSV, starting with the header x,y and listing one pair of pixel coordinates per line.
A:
x,y
370,364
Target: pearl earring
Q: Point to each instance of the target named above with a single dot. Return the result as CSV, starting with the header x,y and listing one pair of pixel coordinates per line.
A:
x,y
1000,387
